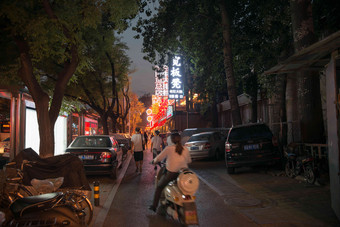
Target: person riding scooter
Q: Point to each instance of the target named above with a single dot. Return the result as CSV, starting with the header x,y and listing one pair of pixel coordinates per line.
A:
x,y
177,158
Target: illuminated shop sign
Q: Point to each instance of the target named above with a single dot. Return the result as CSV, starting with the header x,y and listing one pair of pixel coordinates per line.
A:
x,y
161,81
176,78
169,112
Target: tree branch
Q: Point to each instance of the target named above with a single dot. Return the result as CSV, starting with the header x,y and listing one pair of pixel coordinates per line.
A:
x,y
69,66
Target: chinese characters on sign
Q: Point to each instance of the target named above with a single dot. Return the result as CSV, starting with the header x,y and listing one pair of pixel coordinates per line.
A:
x,y
161,81
175,79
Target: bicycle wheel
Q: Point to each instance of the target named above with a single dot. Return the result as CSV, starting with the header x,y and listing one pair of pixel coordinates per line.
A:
x,y
309,175
81,202
289,170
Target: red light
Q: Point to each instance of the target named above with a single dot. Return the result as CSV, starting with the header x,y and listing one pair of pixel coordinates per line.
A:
x,y
227,147
207,146
105,155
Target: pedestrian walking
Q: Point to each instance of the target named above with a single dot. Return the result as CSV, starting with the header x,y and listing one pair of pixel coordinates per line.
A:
x,y
146,139
168,139
138,146
156,145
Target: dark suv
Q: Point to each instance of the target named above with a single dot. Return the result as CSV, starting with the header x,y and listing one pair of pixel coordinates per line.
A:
x,y
250,145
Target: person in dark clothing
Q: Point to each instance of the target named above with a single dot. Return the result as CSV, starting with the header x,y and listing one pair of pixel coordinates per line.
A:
x,y
146,140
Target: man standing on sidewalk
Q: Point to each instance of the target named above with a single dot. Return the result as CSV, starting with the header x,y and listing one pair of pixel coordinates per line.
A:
x,y
137,149
156,145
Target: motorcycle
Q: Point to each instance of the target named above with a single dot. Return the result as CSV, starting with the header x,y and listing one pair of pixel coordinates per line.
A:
x,y
51,209
29,201
300,165
177,199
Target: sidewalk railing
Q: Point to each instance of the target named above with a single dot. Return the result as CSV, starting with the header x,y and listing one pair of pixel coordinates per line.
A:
x,y
318,151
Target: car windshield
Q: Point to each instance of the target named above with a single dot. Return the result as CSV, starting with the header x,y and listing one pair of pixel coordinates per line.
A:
x,y
203,137
92,142
250,132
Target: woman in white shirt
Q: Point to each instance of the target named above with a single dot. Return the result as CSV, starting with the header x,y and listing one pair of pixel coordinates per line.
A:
x,y
177,158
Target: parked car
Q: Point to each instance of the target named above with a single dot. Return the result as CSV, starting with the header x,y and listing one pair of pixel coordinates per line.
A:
x,y
250,145
206,145
100,154
122,140
187,133
127,136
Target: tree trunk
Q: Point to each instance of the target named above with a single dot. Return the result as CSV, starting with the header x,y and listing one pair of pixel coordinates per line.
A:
x,y
278,116
228,66
293,130
46,115
309,98
253,95
214,113
104,118
46,128
253,109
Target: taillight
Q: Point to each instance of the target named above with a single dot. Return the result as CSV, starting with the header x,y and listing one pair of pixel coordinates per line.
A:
x,y
227,147
275,141
105,155
186,197
207,146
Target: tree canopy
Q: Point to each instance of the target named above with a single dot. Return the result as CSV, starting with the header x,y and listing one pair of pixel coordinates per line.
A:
x,y
44,45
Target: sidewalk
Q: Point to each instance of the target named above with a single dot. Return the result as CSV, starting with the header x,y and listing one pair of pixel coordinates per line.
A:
x,y
107,194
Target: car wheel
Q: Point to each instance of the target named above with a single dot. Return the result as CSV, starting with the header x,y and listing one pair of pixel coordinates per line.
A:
x,y
231,170
114,173
217,155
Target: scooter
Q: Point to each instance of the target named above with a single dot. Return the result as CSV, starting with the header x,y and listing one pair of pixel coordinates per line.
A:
x,y
177,199
40,204
51,209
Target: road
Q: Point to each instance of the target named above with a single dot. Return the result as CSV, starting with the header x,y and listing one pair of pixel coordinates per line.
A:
x,y
251,197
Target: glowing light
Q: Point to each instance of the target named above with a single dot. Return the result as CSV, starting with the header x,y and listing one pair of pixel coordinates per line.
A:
x,y
149,111
149,118
175,79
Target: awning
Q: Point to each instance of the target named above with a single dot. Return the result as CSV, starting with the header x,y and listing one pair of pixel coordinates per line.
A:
x,y
314,57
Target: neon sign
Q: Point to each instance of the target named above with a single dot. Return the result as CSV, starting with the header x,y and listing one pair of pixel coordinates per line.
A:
x,y
161,81
175,79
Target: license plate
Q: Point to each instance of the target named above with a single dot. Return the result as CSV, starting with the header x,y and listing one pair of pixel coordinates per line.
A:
x,y
190,213
194,148
86,157
251,147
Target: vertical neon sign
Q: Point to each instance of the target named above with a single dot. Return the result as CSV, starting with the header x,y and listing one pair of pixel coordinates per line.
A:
x,y
176,78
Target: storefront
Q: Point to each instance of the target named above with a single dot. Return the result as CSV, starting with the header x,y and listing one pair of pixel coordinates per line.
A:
x,y
19,123
5,124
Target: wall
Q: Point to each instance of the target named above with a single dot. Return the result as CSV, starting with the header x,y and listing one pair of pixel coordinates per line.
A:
x,y
224,111
180,119
333,135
